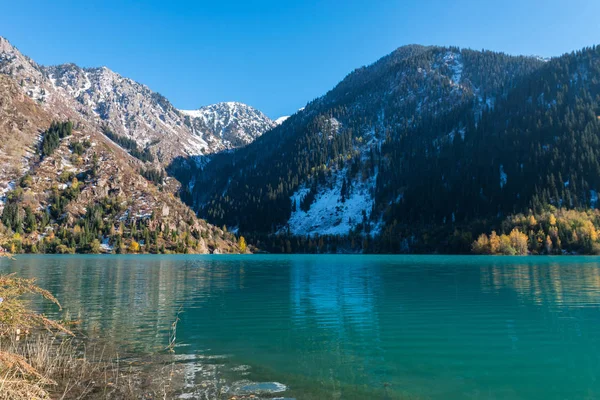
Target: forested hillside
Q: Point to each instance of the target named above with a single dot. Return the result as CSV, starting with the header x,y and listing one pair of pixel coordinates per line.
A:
x,y
66,188
538,146
381,155
425,150
421,151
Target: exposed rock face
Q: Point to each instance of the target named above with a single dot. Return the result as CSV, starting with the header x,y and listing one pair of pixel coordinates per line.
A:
x,y
19,132
232,124
104,98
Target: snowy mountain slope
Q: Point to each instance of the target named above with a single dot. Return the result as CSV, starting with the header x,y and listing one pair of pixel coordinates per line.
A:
x,y
339,138
129,109
337,209
235,124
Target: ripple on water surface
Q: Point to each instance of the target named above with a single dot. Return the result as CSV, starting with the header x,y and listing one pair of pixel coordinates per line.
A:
x,y
347,326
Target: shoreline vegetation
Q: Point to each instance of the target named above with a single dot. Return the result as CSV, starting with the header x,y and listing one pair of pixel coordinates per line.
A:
x,y
552,231
106,226
43,359
548,231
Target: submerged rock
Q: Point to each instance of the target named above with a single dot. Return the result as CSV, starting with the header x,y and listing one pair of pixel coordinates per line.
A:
x,y
262,387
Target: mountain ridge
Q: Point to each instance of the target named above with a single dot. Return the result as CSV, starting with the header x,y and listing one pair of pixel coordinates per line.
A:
x,y
383,156
418,151
354,118
128,108
235,123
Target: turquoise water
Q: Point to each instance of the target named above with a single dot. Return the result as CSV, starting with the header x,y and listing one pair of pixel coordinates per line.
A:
x,y
350,327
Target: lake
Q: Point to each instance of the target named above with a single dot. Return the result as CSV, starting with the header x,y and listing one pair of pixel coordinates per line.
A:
x,y
349,327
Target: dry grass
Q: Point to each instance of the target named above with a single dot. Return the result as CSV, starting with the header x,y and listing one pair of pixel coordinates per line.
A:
x,y
173,333
42,359
15,316
77,372
19,378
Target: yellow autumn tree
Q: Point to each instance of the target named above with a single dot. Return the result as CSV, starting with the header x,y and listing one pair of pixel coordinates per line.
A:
x,y
548,244
519,241
587,230
494,243
481,245
134,247
532,221
95,246
506,247
242,244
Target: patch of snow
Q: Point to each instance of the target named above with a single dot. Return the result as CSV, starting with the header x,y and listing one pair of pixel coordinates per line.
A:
x,y
281,120
334,128
454,62
328,215
192,113
10,186
460,131
503,176
593,198
377,228
541,58
105,245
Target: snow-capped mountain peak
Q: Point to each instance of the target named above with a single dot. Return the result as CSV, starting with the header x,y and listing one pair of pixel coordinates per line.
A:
x,y
235,123
106,99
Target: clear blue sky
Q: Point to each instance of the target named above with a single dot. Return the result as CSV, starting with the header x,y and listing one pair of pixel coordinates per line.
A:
x,y
277,55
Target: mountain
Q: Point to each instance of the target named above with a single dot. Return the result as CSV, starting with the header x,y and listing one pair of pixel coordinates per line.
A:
x,y
235,124
424,150
131,111
65,187
316,173
419,151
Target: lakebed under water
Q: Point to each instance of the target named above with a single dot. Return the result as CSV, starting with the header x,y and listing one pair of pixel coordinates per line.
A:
x,y
350,327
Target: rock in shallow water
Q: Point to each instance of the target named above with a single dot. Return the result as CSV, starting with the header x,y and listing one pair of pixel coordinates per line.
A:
x,y
263,387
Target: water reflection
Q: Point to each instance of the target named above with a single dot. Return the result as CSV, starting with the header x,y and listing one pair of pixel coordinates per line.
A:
x,y
337,296
133,299
335,319
576,284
